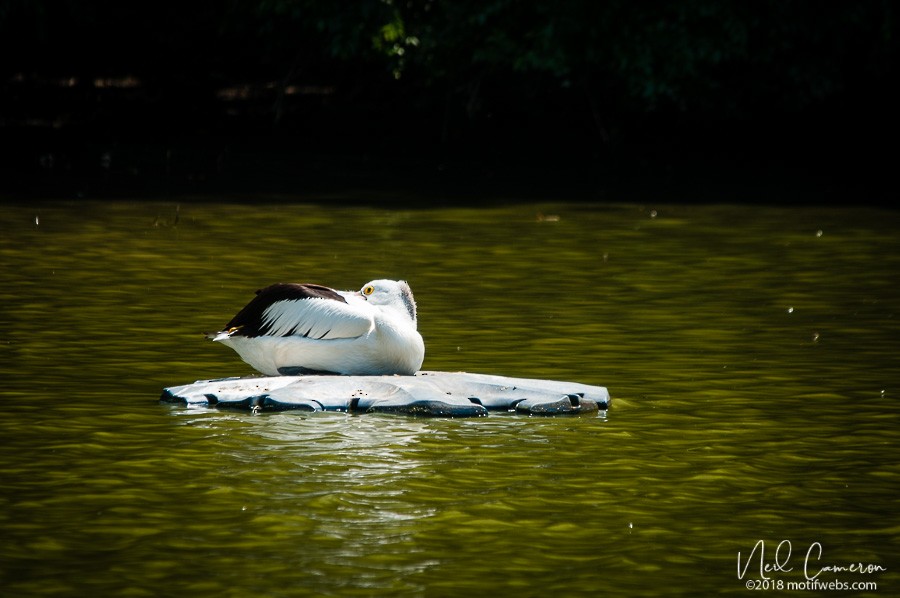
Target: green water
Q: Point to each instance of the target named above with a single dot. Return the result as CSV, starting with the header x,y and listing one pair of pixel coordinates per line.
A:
x,y
753,356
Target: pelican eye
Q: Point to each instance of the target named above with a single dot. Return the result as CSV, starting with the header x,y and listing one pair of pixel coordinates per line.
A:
x,y
368,290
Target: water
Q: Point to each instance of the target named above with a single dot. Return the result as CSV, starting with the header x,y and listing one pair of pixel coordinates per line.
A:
x,y
751,352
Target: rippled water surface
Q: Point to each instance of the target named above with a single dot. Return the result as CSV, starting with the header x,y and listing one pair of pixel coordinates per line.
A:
x,y
752,353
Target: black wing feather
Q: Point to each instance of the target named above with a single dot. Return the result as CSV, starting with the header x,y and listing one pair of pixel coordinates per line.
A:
x,y
249,321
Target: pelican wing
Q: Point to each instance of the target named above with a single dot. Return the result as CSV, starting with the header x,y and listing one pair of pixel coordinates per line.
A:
x,y
306,310
320,319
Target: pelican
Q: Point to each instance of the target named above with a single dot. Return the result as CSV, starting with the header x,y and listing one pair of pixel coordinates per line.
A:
x,y
292,328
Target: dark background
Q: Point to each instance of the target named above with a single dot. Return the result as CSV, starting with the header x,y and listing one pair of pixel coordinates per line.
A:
x,y
699,100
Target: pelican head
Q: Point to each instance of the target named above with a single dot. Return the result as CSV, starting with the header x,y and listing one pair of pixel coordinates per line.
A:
x,y
393,294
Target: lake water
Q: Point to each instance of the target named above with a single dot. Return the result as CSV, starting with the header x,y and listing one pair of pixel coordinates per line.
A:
x,y
752,353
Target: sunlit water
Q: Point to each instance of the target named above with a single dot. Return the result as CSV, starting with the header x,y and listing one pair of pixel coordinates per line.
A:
x,y
753,356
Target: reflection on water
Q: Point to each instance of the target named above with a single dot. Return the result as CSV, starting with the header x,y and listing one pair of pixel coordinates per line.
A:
x,y
751,353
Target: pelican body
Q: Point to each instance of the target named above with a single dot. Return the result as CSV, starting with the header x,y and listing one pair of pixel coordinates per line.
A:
x,y
292,328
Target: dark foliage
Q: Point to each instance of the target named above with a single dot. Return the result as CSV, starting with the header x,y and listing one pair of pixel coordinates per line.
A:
x,y
682,98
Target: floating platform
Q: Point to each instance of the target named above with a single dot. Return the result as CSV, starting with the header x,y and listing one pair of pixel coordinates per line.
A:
x,y
435,394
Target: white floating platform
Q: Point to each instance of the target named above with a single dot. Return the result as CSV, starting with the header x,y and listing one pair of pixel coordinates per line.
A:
x,y
437,394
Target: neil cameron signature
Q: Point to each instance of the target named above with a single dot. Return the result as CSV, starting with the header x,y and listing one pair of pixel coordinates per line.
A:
x,y
781,562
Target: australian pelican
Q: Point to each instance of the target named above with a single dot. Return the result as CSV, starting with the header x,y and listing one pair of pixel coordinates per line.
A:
x,y
291,328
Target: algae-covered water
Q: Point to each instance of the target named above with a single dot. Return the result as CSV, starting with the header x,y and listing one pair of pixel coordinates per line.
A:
x,y
752,353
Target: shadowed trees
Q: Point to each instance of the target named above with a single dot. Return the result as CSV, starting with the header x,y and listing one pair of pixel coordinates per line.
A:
x,y
634,88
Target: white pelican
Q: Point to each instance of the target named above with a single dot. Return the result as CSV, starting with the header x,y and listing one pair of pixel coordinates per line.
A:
x,y
291,328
